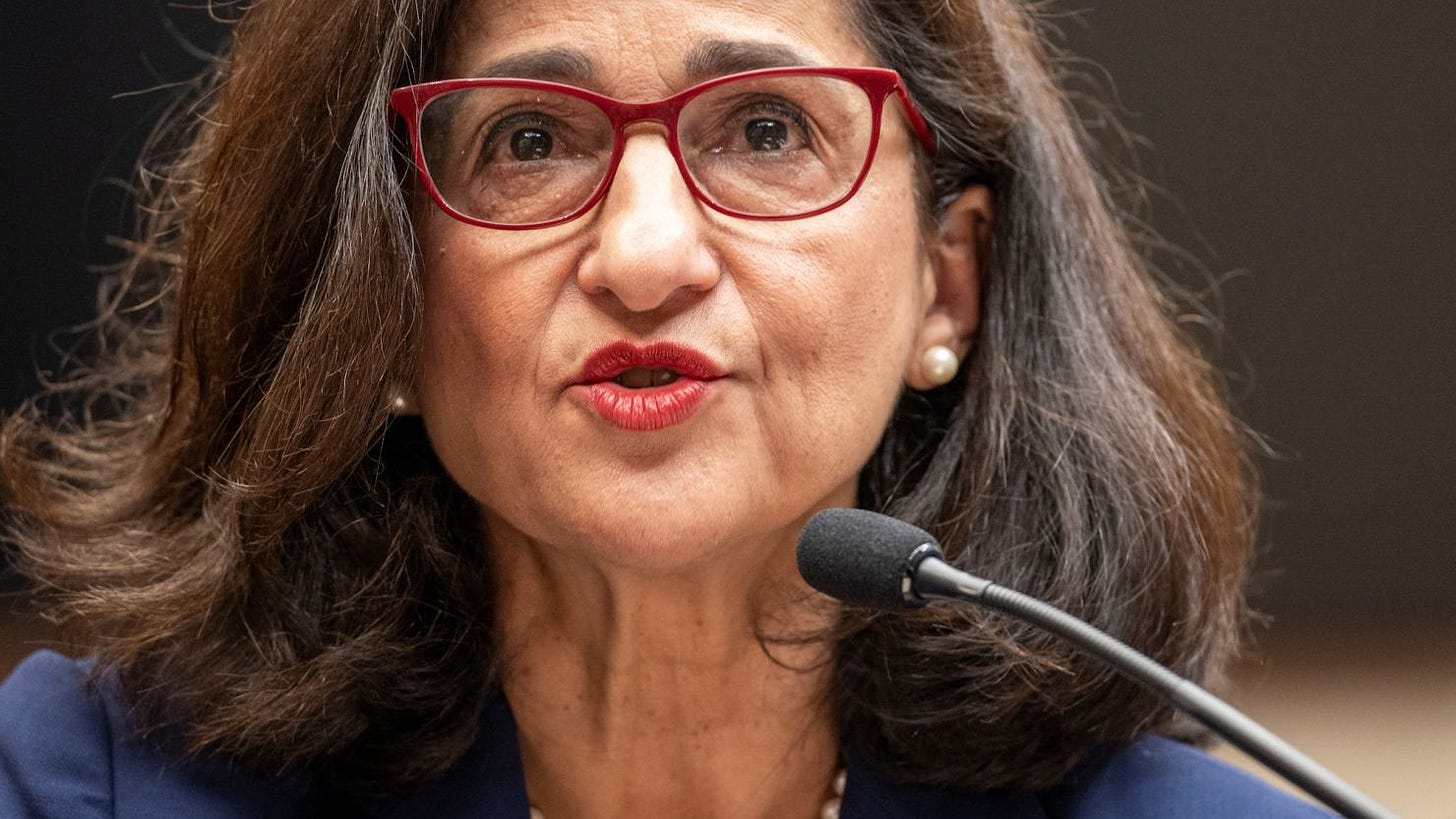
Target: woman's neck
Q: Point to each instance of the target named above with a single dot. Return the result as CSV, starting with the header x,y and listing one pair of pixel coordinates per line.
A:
x,y
652,695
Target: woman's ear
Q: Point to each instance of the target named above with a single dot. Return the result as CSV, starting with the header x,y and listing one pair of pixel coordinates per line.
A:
x,y
957,258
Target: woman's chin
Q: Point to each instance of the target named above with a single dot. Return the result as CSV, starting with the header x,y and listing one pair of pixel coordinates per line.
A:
x,y
683,540
654,538
683,516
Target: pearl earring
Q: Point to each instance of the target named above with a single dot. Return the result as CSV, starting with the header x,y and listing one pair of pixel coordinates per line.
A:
x,y
401,402
939,365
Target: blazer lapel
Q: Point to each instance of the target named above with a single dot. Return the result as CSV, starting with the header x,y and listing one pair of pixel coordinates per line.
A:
x,y
486,782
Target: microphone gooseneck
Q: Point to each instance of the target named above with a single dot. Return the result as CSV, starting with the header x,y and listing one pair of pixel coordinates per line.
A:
x,y
868,559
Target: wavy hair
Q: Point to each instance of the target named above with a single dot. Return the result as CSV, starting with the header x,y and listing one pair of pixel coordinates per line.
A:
x,y
280,573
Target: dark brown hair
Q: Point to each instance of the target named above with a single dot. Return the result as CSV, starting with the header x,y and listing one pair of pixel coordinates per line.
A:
x,y
279,573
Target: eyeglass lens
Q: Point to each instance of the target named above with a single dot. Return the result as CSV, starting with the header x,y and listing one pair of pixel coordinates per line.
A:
x,y
759,146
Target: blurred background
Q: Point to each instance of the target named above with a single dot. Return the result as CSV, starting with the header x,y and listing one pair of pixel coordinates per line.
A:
x,y
1303,154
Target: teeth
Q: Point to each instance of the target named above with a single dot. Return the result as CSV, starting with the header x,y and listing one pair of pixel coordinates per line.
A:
x,y
637,378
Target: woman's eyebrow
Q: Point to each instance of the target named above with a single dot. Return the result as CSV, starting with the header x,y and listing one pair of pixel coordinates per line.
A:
x,y
564,65
714,58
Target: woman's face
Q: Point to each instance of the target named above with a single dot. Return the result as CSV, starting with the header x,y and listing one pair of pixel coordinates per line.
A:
x,y
801,330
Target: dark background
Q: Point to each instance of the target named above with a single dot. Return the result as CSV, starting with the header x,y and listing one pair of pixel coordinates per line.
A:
x,y
1307,151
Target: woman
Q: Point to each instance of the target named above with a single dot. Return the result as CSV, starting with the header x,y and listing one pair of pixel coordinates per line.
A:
x,y
645,341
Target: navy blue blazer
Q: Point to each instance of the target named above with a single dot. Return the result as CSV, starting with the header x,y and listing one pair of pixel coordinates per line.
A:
x,y
66,752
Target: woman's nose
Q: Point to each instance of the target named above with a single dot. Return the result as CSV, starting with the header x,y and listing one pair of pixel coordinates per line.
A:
x,y
650,245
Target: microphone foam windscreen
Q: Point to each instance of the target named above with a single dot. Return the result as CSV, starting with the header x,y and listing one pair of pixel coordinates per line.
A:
x,y
860,557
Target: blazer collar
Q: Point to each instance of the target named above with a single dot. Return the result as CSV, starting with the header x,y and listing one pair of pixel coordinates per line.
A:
x,y
488,781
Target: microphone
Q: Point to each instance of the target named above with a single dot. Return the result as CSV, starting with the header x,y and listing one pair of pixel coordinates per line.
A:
x,y
868,559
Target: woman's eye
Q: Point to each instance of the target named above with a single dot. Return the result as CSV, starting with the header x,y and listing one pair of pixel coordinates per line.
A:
x,y
521,137
765,127
766,135
530,144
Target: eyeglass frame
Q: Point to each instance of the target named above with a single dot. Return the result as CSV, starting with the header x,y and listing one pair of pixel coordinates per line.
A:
x,y
878,84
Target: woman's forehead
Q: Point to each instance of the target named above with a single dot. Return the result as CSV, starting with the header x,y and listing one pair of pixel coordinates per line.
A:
x,y
675,42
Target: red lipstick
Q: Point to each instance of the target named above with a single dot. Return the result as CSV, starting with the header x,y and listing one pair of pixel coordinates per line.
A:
x,y
648,387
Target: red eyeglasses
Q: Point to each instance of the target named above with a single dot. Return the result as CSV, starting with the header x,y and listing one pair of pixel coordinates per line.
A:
x,y
780,143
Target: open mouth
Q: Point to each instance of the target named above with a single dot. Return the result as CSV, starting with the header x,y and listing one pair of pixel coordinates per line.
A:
x,y
645,387
637,378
